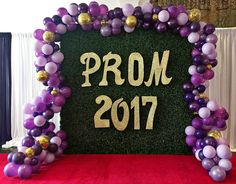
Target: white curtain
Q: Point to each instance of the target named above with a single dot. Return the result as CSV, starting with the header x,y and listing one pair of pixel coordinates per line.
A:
x,y
25,87
223,87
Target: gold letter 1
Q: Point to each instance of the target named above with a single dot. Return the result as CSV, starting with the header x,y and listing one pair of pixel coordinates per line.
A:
x,y
112,68
132,58
159,70
85,59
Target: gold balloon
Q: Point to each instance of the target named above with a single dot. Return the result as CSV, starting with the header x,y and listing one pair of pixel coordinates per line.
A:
x,y
155,17
48,36
43,141
42,76
54,92
84,18
131,21
202,95
194,15
209,66
29,152
215,133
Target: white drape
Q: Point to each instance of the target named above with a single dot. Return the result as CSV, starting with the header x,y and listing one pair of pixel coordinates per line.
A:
x,y
25,87
223,87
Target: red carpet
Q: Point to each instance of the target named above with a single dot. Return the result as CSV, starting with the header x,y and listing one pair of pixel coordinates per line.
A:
x,y
120,169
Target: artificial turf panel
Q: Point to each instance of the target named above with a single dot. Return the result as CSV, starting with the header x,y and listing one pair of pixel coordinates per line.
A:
x,y
171,117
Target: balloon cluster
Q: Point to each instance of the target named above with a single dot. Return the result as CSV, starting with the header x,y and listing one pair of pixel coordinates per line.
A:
x,y
42,144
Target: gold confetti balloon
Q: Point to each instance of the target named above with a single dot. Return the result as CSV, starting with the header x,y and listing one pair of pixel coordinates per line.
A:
x,y
42,76
194,15
131,21
84,18
215,133
43,141
29,152
48,36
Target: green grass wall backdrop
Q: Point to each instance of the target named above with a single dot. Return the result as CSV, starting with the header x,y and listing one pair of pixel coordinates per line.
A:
x,y
172,115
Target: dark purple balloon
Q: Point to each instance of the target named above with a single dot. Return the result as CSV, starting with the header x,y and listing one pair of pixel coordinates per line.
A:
x,y
213,62
56,19
197,60
83,8
161,27
37,149
46,125
189,97
209,28
201,102
118,13
147,17
94,10
138,14
210,141
48,114
195,27
146,25
34,161
188,87
201,88
200,155
198,143
201,69
172,23
36,132
197,123
52,147
9,157
18,158
51,134
50,26
202,143
156,9
199,134
28,141
46,20
194,106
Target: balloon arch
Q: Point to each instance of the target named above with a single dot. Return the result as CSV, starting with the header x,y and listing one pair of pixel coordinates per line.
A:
x,y
42,145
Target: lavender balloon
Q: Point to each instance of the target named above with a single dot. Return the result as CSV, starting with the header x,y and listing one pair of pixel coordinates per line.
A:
x,y
208,163
11,169
217,173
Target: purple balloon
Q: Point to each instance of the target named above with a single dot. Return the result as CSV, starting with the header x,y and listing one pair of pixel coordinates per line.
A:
x,y
184,31
197,123
59,100
28,141
94,10
194,106
196,80
18,158
47,98
61,134
103,9
191,140
25,171
173,11
11,169
29,123
62,11
65,91
208,75
38,34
